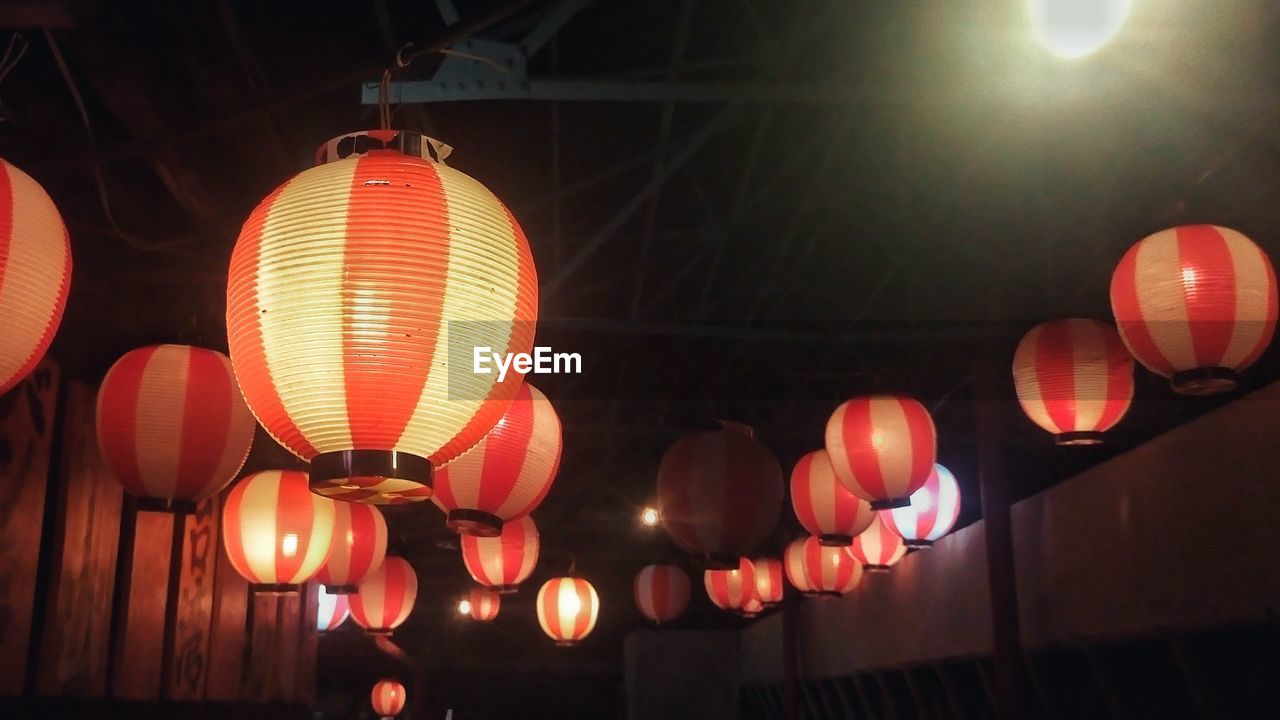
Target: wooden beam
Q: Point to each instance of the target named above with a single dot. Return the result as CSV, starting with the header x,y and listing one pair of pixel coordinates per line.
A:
x,y
188,665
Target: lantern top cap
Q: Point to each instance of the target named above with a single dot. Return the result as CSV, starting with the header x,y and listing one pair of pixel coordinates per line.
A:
x,y
405,142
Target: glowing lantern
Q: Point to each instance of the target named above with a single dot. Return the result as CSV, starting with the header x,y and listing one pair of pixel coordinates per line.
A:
x,y
508,473
172,425
878,548
932,512
1074,378
793,559
823,505
753,608
502,563
731,589
35,273
768,574
719,494
567,609
276,533
388,698
661,592
1197,304
483,605
882,448
356,294
386,598
359,546
331,611
830,571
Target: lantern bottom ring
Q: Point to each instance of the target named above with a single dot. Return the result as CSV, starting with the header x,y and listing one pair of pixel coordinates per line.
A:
x,y
342,589
829,594
918,544
1080,437
344,464
274,588
504,589
378,632
835,540
891,503
716,561
1204,381
566,643
876,568
810,593
468,521
176,506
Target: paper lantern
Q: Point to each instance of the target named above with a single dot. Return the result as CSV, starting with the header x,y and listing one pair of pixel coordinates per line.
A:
x,y
661,592
386,598
172,425
753,608
719,494
932,512
508,473
567,609
1196,304
830,571
484,604
357,293
882,448
768,574
878,548
502,563
823,505
731,589
331,611
1074,378
359,546
793,559
35,273
275,531
388,698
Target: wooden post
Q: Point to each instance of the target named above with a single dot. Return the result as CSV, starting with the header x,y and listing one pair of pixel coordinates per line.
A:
x,y
790,658
188,664
138,664
227,629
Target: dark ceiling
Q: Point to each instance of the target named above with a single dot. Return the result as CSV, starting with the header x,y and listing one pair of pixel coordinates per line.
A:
x,y
760,260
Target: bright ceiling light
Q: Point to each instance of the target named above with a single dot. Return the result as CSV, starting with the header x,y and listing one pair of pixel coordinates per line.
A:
x,y
1075,28
650,517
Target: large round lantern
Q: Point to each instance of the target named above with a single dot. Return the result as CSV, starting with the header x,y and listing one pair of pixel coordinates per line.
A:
x,y
830,571
567,609
359,546
172,425
878,548
508,473
35,273
331,610
731,589
386,598
483,605
360,293
275,531
502,563
388,698
1074,378
661,592
768,574
1196,304
932,512
882,448
793,565
719,494
823,505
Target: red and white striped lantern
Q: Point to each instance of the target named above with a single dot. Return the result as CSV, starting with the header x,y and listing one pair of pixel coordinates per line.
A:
x,y
932,512
661,592
567,609
483,605
355,291
172,425
1074,378
275,531
731,589
719,494
359,546
878,548
823,505
768,574
388,698
502,563
508,474
882,448
386,598
35,273
1196,304
331,610
831,571
753,608
793,564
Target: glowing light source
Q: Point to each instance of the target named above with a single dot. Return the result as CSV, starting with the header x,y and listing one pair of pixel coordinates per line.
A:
x,y
932,512
387,698
275,532
1076,28
650,517
359,546
386,598
464,606
567,609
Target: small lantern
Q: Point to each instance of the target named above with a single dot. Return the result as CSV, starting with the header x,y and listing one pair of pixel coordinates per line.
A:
x,y
878,548
823,505
793,564
276,533
502,563
386,598
882,448
731,589
331,610
388,698
768,574
567,609
359,546
831,571
483,605
661,592
932,512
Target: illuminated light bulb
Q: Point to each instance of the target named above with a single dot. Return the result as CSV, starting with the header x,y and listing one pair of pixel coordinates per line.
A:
x,y
570,604
649,517
464,606
1075,28
289,545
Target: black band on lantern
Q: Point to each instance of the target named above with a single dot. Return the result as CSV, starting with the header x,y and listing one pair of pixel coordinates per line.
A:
x,y
830,593
342,589
274,588
918,544
835,540
479,523
1204,381
343,464
1079,437
378,632
876,568
891,503
178,507
505,589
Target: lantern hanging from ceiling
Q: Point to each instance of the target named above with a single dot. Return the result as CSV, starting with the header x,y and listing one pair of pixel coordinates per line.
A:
x,y
483,604
768,574
1074,378
388,698
502,563
882,448
172,425
1196,304
275,531
831,571
359,546
878,548
508,473
331,610
731,589
356,295
386,598
35,273
661,592
932,512
823,505
793,559
567,609
719,494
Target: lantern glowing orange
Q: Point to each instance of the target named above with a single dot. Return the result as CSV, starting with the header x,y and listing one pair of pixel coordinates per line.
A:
x,y
502,563
878,548
661,592
508,474
384,600
1196,304
331,610
483,604
359,546
731,589
882,448
388,698
1074,378
768,574
823,505
172,425
345,289
719,494
793,559
35,273
753,608
275,531
567,609
830,571
932,512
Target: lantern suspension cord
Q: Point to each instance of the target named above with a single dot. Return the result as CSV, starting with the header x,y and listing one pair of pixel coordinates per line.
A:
x,y
459,32
11,58
384,105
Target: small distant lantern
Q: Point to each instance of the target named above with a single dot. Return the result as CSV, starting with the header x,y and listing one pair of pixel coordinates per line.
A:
x,y
753,608
882,448
731,589
932,512
502,563
831,570
878,548
388,698
661,592
386,598
793,565
567,609
483,605
823,505
359,546
331,610
768,574
276,533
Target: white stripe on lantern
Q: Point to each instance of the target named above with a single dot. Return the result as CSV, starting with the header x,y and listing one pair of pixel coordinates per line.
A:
x,y
1087,345
1250,281
257,522
1164,311
536,466
158,430
894,452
